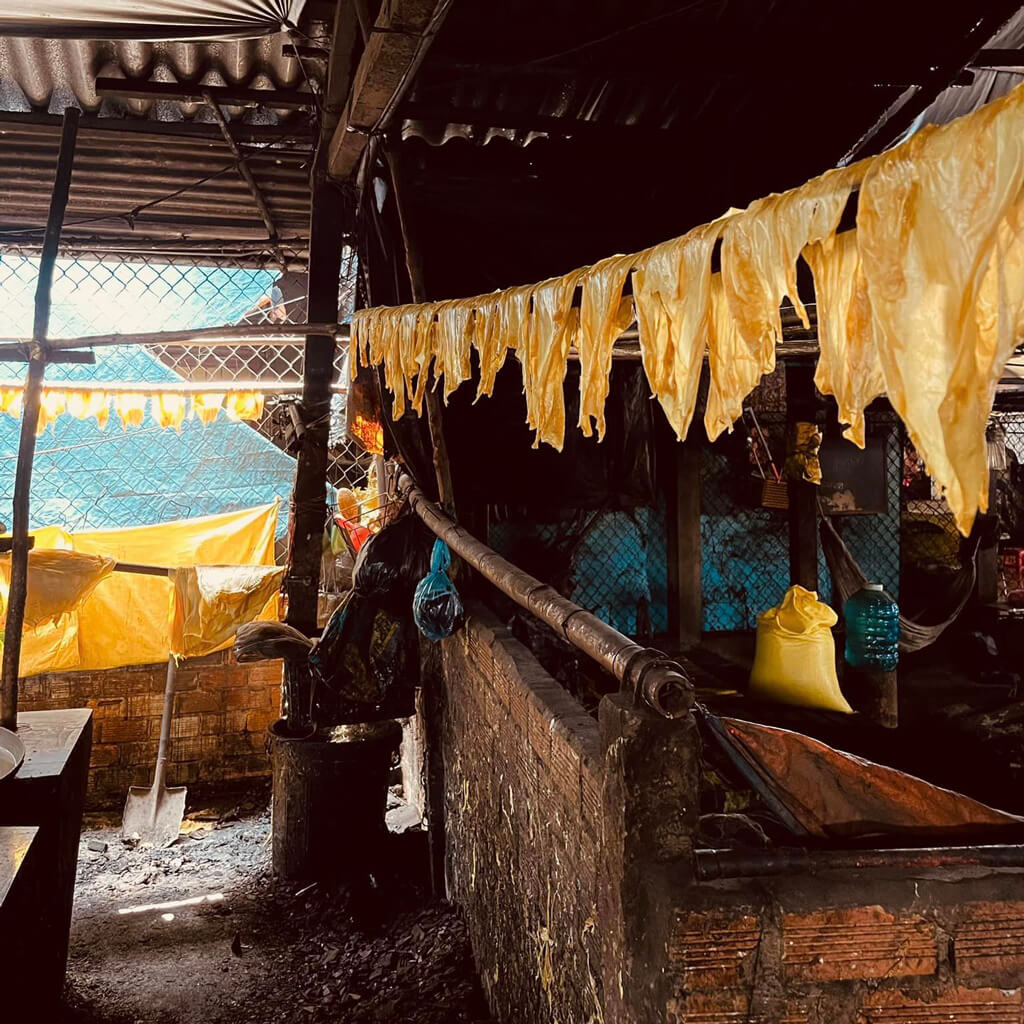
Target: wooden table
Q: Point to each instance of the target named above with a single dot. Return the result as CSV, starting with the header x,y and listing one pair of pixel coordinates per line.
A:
x,y
47,795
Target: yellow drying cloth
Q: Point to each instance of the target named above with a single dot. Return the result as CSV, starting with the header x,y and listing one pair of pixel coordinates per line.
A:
x,y
58,582
126,619
212,601
84,405
130,407
848,363
795,659
169,410
206,406
939,237
51,406
244,405
604,315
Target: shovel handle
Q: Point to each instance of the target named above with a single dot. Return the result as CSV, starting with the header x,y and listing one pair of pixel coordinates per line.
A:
x,y
165,724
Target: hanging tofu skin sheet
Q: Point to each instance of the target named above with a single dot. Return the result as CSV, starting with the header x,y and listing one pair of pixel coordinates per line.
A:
x,y
735,369
544,354
491,345
604,315
672,294
933,214
848,363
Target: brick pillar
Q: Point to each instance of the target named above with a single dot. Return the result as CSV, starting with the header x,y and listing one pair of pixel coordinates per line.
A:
x,y
650,810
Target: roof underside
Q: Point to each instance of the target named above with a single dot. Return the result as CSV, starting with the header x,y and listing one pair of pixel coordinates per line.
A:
x,y
546,134
134,150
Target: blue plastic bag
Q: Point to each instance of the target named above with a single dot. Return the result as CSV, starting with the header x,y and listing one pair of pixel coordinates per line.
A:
x,y
436,606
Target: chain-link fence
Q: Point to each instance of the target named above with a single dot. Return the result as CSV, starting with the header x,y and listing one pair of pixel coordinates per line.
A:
x,y
745,565
91,475
613,562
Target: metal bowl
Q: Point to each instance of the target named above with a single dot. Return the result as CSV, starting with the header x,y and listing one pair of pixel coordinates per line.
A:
x,y
12,753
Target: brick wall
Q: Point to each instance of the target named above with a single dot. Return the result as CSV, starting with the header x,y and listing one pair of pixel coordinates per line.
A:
x,y
866,947
523,806
222,711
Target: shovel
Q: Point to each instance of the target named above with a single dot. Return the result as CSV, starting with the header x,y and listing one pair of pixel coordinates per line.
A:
x,y
154,815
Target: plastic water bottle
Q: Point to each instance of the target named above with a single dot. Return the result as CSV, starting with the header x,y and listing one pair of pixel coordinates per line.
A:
x,y
872,629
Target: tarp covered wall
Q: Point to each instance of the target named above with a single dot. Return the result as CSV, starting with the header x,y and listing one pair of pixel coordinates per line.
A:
x,y
126,620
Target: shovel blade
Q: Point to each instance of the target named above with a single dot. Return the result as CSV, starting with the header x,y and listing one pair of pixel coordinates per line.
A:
x,y
154,815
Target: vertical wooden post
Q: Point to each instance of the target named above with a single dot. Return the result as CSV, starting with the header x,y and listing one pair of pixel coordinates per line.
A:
x,y
29,422
685,595
309,495
414,265
803,496
430,705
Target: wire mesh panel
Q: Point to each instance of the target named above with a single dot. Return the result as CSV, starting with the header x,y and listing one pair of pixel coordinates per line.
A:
x,y
613,562
745,533
92,476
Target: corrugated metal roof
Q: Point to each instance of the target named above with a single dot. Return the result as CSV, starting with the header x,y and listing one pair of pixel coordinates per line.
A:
x,y
50,74
988,84
116,172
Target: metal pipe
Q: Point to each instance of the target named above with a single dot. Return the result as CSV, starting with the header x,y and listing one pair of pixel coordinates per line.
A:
x,y
27,442
715,864
648,674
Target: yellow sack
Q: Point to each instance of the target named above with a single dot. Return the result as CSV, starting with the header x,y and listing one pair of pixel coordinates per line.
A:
x,y
795,658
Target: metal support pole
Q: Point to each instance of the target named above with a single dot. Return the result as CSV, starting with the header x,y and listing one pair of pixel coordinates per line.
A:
x,y
29,422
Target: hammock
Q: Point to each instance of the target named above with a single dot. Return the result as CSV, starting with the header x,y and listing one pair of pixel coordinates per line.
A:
x,y
847,578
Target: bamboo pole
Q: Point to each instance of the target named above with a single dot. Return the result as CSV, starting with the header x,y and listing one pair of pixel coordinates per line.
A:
x,y
30,414
649,674
414,266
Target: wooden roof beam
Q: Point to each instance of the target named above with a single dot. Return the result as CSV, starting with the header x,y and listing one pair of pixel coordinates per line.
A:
x,y
397,44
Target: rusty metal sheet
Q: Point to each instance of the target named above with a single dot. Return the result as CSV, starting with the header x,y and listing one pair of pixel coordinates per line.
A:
x,y
833,794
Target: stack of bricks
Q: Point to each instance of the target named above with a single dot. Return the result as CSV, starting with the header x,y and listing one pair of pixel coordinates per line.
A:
x,y
522,812
222,711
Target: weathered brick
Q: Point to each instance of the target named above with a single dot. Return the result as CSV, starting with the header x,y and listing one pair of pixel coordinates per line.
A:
x,y
259,721
991,1005
989,939
713,949
122,730
246,697
234,720
145,705
109,707
564,765
104,755
857,943
189,748
539,723
198,701
212,723
139,753
185,727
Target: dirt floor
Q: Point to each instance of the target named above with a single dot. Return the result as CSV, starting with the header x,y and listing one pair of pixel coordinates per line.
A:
x,y
202,932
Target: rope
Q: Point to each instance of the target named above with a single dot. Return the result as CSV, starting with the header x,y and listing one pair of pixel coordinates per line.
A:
x,y
848,578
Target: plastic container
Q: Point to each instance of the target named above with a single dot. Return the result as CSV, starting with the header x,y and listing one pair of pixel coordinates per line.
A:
x,y
872,629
